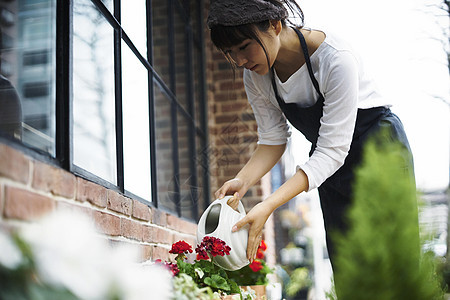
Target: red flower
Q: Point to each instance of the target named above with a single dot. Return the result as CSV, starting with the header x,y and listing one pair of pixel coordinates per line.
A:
x,y
181,247
202,255
259,254
213,246
256,265
263,245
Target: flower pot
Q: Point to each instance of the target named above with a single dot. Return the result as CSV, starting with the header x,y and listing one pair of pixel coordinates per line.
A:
x,y
231,297
260,291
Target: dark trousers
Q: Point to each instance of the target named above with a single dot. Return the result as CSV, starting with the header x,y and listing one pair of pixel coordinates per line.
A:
x,y
336,192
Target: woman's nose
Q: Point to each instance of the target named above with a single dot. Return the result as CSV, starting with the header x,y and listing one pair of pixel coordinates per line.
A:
x,y
240,60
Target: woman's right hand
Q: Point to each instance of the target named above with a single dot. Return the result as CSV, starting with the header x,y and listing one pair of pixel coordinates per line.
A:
x,y
233,187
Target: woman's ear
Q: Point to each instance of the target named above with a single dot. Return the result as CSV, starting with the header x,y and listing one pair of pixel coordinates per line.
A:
x,y
276,26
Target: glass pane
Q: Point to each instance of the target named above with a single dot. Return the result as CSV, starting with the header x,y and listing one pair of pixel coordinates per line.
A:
x,y
109,5
201,164
160,29
136,136
93,92
198,88
134,23
187,177
180,45
27,72
167,181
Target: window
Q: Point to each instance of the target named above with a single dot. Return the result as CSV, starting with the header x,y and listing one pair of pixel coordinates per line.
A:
x,y
113,91
28,51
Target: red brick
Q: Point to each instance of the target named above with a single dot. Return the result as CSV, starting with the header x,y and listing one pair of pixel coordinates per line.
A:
x,y
25,205
54,180
91,192
180,225
131,229
106,223
13,164
162,236
148,234
141,211
146,252
74,208
159,217
161,253
119,203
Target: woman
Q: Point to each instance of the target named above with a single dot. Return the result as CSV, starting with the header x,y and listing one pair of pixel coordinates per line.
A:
x,y
317,83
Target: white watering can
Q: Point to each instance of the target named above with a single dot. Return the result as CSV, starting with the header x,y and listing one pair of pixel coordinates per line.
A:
x,y
217,221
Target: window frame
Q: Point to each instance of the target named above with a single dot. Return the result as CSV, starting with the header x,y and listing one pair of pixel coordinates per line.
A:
x,y
64,100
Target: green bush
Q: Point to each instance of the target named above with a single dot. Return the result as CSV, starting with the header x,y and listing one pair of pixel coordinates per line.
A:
x,y
380,257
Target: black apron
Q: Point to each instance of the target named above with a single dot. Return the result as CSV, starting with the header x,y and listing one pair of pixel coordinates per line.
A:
x,y
336,192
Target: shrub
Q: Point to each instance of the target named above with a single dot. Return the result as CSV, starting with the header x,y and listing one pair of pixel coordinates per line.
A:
x,y
380,256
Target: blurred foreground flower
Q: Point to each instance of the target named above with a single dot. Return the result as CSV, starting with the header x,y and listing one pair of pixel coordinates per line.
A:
x,y
63,257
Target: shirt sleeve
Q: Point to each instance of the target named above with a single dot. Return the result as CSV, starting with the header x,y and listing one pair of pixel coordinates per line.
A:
x,y
273,128
340,89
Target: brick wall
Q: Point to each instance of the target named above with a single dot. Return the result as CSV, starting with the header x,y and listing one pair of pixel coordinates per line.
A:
x,y
29,189
233,133
233,127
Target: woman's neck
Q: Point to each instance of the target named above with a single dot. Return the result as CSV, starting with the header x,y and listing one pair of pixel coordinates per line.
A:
x,y
290,57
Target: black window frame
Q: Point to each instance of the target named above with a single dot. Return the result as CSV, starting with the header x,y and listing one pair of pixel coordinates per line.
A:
x,y
64,101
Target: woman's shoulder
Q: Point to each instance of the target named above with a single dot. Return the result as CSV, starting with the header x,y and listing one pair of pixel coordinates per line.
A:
x,y
334,43
333,51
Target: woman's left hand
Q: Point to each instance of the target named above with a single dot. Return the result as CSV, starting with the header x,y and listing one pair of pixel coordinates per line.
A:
x,y
256,218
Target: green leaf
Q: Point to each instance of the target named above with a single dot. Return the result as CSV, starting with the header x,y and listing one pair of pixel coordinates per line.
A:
x,y
217,282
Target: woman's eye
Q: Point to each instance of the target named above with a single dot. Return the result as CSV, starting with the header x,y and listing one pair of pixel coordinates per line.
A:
x,y
243,47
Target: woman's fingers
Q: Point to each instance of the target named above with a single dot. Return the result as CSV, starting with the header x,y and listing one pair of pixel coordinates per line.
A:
x,y
234,201
229,187
253,243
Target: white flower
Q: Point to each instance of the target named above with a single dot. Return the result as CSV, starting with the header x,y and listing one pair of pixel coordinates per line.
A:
x,y
10,254
199,272
138,282
68,253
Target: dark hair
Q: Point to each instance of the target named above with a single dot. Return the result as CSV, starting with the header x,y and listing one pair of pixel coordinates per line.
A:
x,y
228,36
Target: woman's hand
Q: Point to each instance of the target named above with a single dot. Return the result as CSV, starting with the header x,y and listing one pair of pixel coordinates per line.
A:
x,y
233,187
256,218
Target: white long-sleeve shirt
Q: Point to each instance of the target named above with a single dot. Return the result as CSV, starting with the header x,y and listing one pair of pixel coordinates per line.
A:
x,y
345,87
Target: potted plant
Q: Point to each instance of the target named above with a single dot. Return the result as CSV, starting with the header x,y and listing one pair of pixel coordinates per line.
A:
x,y
253,275
202,279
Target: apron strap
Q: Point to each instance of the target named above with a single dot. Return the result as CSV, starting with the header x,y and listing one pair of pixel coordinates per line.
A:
x,y
307,60
308,64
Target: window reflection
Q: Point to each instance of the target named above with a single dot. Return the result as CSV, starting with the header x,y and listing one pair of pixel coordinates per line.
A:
x,y
136,134
27,68
93,92
134,23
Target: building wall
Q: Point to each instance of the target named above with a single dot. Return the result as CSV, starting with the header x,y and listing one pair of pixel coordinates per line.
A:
x,y
30,188
233,134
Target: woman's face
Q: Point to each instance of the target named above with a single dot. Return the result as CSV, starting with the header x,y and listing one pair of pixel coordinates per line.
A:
x,y
250,55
